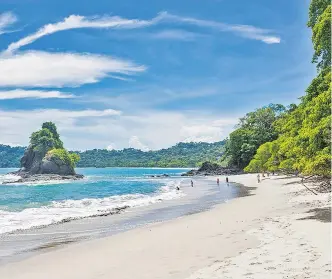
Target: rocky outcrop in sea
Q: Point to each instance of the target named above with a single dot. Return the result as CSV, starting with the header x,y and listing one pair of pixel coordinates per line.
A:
x,y
46,159
35,166
36,162
209,168
25,177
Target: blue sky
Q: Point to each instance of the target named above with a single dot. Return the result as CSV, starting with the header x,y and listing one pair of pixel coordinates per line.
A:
x,y
147,74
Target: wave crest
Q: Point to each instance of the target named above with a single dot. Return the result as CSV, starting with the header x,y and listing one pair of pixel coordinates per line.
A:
x,y
67,210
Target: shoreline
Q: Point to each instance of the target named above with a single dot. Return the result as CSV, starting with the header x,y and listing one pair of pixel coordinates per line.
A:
x,y
22,244
242,238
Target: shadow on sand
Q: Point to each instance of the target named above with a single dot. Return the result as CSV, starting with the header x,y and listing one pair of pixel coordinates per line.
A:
x,y
320,214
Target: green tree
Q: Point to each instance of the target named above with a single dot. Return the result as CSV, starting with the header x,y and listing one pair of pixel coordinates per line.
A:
x,y
304,132
47,142
254,129
266,158
42,140
53,129
320,23
63,155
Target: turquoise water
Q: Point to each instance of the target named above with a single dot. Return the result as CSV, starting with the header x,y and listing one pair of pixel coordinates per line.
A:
x,y
102,191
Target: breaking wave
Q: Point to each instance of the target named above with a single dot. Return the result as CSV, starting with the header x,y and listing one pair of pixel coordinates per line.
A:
x,y
67,210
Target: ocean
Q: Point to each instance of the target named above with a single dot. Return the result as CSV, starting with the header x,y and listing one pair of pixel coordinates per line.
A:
x,y
101,192
39,216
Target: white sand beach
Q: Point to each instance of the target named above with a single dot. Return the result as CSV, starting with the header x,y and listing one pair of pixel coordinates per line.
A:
x,y
265,235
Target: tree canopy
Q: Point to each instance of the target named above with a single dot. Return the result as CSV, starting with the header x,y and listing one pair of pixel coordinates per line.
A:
x,y
304,132
320,23
254,129
47,142
10,156
46,138
180,155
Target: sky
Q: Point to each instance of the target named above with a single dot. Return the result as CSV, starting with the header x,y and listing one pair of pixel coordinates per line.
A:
x,y
147,74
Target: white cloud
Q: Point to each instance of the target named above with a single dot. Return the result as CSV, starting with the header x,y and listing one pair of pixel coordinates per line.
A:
x,y
212,132
134,142
197,133
176,34
33,94
55,114
6,19
88,129
84,113
43,69
246,31
16,126
77,21
110,147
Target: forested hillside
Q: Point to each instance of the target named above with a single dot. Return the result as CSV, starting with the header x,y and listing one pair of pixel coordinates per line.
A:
x,y
302,140
180,155
10,156
254,129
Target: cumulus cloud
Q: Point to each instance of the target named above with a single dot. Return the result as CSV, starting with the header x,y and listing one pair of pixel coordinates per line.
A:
x,y
110,147
134,142
6,19
33,94
43,69
88,129
198,133
16,126
207,133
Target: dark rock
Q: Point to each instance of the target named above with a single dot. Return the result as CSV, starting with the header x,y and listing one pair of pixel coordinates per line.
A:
x,y
31,160
38,162
51,164
37,165
26,177
159,176
209,168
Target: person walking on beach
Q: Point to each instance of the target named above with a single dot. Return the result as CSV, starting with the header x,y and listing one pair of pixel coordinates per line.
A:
x,y
192,183
218,181
258,178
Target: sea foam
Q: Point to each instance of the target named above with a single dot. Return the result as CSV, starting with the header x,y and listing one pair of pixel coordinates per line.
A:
x,y
5,178
67,210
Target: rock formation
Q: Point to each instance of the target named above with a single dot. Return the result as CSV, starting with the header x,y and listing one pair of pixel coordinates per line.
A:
x,y
36,162
45,158
209,168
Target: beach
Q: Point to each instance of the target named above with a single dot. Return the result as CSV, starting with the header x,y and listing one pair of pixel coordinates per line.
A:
x,y
281,230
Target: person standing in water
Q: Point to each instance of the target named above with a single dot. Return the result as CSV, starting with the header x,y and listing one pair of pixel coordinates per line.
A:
x,y
258,178
218,181
192,183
